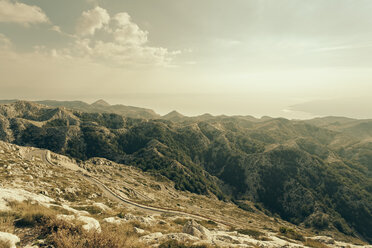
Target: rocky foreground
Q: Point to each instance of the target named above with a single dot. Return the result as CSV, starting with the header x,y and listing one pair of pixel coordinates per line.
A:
x,y
48,202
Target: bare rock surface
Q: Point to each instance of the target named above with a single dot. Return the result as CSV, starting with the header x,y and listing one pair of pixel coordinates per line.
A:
x,y
9,239
89,222
195,229
19,195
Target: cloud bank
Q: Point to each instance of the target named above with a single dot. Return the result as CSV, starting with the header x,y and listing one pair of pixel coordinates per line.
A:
x,y
125,44
92,20
14,12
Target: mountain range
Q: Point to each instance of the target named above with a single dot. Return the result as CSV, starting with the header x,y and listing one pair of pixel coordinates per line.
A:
x,y
314,173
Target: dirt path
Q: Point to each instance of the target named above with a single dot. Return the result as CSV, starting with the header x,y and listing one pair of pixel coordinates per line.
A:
x,y
44,155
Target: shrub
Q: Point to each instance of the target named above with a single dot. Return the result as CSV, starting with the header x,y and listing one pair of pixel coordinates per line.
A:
x,y
319,220
180,221
208,223
290,233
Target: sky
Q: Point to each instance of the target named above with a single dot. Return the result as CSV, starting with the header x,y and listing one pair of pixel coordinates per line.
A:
x,y
289,58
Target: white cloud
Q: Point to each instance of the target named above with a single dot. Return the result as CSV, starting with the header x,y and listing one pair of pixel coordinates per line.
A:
x,y
128,32
92,20
21,13
125,42
56,29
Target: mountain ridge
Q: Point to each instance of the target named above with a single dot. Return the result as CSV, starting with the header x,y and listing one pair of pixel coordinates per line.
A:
x,y
309,175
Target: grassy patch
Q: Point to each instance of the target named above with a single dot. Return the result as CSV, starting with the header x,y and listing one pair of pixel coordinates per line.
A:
x,y
175,244
315,244
207,223
251,232
180,221
67,236
7,221
290,233
29,215
90,209
4,244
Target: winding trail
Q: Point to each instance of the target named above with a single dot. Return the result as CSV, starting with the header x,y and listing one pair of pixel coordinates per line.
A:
x,y
46,158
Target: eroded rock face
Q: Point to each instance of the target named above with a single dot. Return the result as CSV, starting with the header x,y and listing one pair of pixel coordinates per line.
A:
x,y
195,229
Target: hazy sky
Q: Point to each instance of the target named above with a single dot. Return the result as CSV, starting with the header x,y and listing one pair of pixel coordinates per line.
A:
x,y
250,57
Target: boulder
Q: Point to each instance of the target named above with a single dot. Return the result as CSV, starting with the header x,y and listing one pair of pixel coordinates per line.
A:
x,y
114,220
152,237
90,223
195,229
9,239
138,230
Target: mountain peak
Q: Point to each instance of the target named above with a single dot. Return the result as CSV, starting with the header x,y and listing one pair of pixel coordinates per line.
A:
x,y
173,114
101,103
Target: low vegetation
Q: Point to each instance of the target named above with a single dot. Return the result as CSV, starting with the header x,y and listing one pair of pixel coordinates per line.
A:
x,y
64,235
290,233
4,244
252,232
176,244
315,244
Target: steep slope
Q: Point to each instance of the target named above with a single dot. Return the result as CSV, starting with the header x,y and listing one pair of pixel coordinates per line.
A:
x,y
291,168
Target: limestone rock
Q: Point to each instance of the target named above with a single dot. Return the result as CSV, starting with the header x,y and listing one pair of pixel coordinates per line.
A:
x,y
9,238
138,230
195,229
152,237
90,223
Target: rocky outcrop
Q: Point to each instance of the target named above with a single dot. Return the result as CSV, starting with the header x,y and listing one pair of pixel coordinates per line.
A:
x,y
20,195
90,224
195,229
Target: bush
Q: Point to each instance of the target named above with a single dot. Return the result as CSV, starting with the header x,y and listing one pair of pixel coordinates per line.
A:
x,y
180,221
290,233
244,206
319,220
